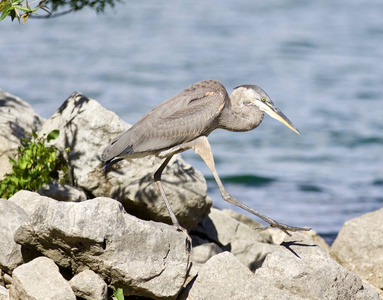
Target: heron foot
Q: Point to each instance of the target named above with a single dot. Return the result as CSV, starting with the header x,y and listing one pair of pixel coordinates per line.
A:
x,y
185,232
272,223
285,228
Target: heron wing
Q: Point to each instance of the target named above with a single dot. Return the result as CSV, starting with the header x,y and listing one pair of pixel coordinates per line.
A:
x,y
180,119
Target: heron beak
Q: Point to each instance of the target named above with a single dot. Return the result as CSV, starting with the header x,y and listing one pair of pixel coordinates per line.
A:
x,y
275,113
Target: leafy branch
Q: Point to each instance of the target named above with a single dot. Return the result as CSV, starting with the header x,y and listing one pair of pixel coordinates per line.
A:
x,y
21,9
14,9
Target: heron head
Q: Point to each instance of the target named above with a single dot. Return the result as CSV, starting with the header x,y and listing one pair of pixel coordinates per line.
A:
x,y
253,95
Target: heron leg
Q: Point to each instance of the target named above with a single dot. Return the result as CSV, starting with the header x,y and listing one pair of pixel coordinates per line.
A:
x,y
157,180
202,147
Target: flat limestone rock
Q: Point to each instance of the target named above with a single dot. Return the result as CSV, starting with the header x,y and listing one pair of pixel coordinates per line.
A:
x,y
11,218
359,247
224,277
142,257
40,279
87,128
301,267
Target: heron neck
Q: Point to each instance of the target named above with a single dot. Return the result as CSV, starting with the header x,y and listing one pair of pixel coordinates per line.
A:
x,y
244,118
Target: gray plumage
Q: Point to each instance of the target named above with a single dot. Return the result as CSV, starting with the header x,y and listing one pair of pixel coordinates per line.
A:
x,y
197,110
185,120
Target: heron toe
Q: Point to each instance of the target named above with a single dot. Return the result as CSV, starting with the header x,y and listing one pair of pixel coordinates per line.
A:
x,y
285,228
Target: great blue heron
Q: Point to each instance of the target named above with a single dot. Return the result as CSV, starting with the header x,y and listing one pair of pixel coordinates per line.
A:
x,y
184,121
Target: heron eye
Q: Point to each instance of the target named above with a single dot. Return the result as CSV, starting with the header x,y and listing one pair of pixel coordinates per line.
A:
x,y
263,99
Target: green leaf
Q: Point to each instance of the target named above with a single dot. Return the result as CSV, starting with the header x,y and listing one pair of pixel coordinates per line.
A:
x,y
3,4
21,8
53,135
23,164
6,11
16,2
119,294
4,14
52,156
28,153
15,180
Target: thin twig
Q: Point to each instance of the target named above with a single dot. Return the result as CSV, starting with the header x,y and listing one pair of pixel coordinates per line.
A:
x,y
50,15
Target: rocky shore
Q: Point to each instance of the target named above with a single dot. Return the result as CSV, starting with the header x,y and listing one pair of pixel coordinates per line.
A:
x,y
108,231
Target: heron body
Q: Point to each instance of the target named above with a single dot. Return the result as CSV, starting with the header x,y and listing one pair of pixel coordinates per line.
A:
x,y
185,121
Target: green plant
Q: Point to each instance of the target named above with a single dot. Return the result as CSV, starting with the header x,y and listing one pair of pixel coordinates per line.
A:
x,y
119,294
35,164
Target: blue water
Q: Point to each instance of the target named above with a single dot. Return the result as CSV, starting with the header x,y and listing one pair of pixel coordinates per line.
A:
x,y
320,61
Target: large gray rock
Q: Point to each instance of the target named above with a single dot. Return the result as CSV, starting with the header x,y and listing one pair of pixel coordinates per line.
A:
x,y
301,267
245,243
40,279
359,247
16,118
224,277
87,128
88,285
142,257
11,218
